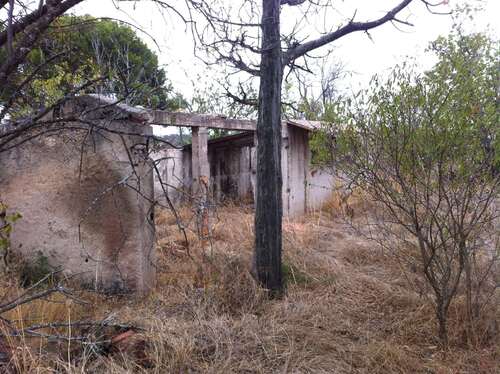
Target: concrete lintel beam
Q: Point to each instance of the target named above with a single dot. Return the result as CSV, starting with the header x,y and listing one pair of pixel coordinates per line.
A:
x,y
194,120
213,121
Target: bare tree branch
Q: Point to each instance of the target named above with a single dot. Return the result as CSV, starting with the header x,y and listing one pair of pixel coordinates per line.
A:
x,y
302,49
292,2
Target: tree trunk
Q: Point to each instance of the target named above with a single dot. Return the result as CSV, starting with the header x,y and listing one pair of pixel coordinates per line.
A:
x,y
442,317
269,206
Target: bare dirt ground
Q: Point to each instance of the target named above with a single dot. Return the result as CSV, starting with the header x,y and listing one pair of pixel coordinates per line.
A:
x,y
349,308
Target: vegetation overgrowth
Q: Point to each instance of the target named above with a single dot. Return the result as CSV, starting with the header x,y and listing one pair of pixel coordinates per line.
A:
x,y
349,308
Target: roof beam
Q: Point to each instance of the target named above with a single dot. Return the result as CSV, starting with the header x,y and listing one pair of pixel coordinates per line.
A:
x,y
164,118
215,121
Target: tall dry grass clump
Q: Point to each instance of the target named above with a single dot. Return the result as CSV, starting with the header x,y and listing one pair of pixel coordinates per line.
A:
x,y
348,309
396,249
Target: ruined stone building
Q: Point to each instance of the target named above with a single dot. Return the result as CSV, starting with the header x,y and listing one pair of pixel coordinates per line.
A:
x,y
87,194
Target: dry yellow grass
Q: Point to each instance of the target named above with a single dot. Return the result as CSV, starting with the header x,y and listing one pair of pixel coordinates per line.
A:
x,y
348,309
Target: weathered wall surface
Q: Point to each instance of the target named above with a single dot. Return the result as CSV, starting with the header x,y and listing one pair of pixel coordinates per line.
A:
x,y
231,172
320,188
296,174
78,209
170,166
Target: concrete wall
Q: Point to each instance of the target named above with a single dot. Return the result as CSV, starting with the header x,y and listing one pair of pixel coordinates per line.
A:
x,y
231,172
320,188
170,166
78,210
295,171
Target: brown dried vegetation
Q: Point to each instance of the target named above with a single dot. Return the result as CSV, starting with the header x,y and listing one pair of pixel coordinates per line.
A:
x,y
349,308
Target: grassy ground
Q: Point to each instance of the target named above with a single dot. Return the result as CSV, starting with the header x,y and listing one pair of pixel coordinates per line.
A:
x,y
348,309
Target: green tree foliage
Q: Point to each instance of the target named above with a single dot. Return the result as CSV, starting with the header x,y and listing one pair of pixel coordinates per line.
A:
x,y
322,142
76,50
426,147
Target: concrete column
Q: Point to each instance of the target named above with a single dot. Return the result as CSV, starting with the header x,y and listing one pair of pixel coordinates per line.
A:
x,y
201,168
201,181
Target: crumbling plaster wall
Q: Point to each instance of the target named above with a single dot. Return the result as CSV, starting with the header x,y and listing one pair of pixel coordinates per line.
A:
x,y
169,163
77,210
320,187
295,170
231,171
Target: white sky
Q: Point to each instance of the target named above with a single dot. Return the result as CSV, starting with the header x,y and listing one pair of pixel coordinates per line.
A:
x,y
358,54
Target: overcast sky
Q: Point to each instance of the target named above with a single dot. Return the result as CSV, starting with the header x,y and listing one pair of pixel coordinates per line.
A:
x,y
360,55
